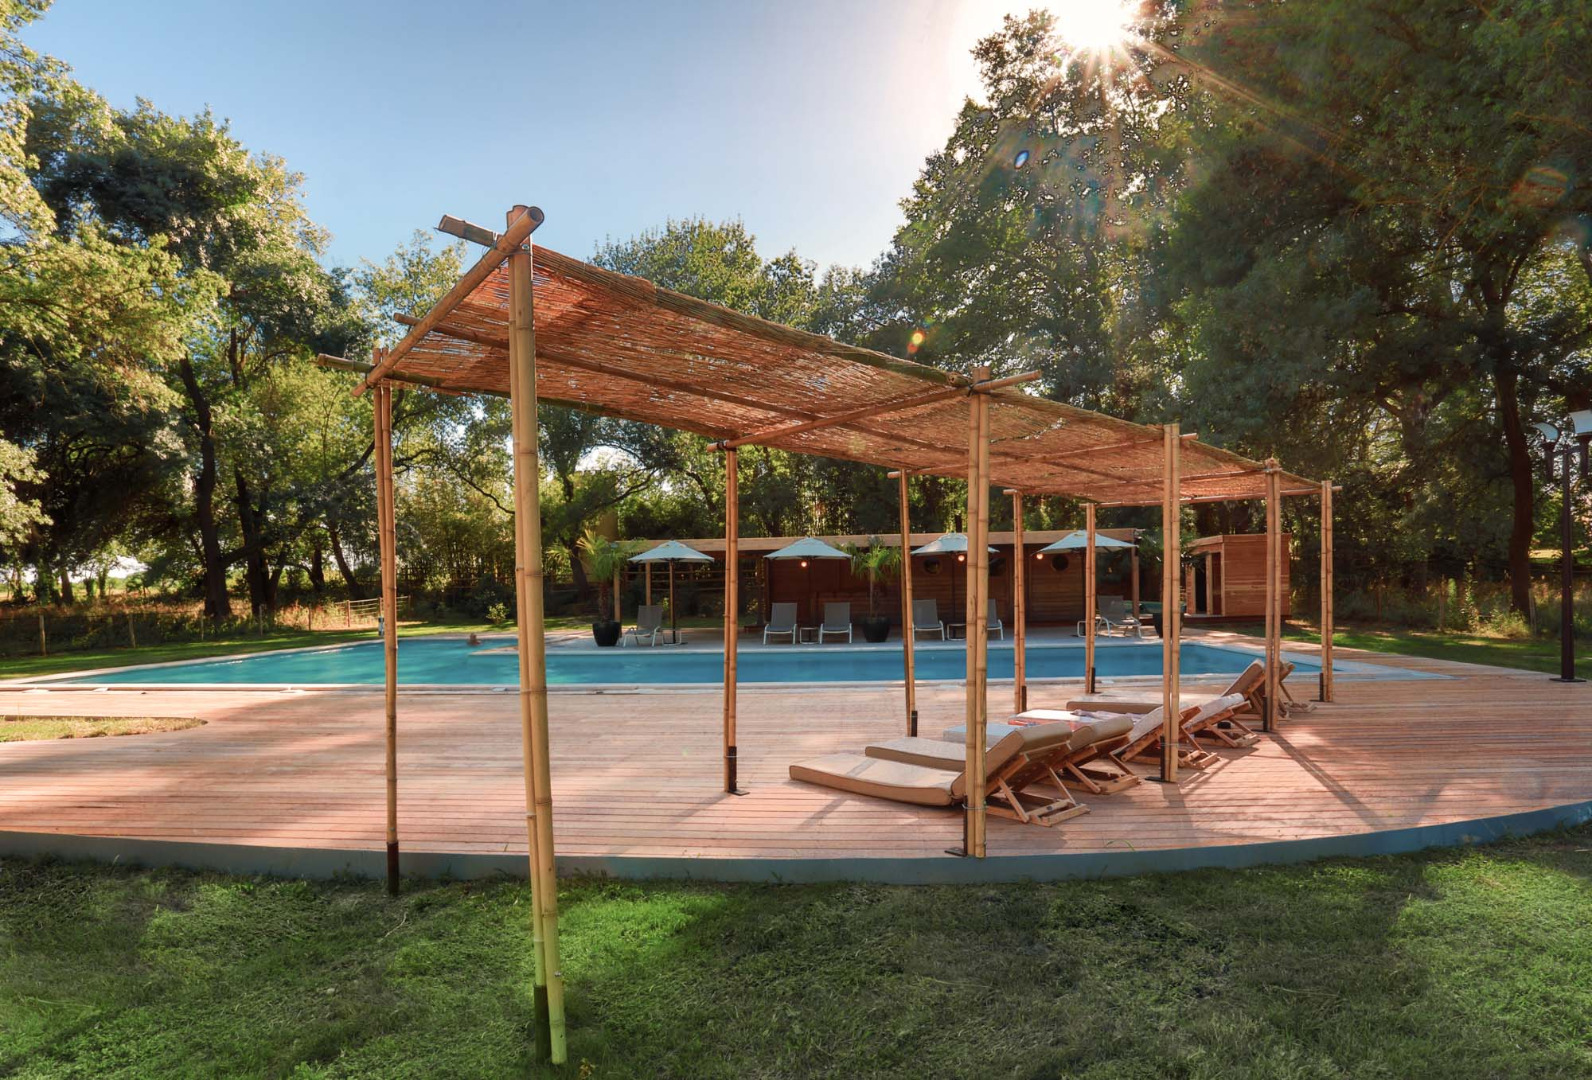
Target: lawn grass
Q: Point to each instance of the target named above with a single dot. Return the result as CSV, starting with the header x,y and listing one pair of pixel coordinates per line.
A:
x,y
1531,654
1474,963
34,728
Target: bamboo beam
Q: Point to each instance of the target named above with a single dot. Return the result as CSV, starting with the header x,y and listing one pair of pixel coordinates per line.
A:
x,y
732,596
1191,500
467,230
977,625
882,408
1090,599
518,231
1171,622
549,993
1326,591
1268,718
908,638
647,570
1019,608
387,542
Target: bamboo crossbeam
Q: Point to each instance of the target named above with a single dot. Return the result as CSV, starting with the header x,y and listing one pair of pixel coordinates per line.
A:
x,y
467,230
1188,500
518,231
908,637
359,367
864,413
732,585
549,994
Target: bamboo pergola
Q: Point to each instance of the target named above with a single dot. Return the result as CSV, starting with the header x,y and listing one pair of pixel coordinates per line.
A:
x,y
550,328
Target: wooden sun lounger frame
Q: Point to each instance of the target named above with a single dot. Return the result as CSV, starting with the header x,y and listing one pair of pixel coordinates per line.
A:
x,y
1190,755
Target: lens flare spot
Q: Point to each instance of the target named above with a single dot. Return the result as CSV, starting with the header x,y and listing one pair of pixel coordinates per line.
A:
x,y
1020,160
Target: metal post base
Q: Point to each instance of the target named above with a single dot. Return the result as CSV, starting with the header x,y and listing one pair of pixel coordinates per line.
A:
x,y
1561,678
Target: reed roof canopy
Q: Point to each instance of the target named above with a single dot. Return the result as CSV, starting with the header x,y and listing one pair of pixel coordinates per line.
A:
x,y
621,346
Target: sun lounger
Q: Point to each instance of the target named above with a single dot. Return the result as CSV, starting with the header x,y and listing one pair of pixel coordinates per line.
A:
x,y
926,618
781,621
1146,735
649,624
837,620
1014,764
1251,683
1092,741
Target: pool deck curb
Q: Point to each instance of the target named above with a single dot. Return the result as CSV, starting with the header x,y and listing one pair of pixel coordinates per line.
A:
x,y
324,863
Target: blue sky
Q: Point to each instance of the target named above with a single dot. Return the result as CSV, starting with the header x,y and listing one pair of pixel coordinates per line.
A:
x,y
808,120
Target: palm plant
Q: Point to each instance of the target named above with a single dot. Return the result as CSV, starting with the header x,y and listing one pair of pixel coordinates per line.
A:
x,y
877,562
604,560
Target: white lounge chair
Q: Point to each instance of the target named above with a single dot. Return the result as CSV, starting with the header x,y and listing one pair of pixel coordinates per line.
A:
x,y
649,625
926,618
837,620
781,622
995,623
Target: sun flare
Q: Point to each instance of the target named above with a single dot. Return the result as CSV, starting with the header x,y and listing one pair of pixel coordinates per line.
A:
x,y
1094,25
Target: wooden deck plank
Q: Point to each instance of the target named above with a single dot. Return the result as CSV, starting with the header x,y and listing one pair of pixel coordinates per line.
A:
x,y
639,773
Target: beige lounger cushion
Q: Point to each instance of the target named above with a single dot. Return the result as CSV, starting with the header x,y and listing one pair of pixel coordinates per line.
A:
x,y
882,779
945,754
1129,701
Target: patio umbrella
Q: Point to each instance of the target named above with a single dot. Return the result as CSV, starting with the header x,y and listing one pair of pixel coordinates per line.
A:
x,y
671,552
950,544
805,550
1078,539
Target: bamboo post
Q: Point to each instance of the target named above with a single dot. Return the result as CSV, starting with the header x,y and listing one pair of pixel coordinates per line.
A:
x,y
1326,590
1268,716
908,641
647,572
1210,583
1019,608
618,617
1090,599
387,543
1171,601
549,994
977,623
732,595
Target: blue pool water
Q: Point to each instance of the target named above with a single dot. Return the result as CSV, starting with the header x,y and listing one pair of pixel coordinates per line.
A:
x,y
454,663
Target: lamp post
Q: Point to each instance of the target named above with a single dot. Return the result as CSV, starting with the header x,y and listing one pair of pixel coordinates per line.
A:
x,y
1575,443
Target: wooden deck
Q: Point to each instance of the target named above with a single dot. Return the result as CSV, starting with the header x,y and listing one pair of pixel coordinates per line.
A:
x,y
636,775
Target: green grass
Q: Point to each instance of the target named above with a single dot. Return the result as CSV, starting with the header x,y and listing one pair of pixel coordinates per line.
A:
x,y
1528,653
1470,963
35,728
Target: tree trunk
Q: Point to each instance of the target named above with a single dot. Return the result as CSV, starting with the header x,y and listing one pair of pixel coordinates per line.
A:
x,y
317,570
250,521
354,590
1523,521
217,605
66,587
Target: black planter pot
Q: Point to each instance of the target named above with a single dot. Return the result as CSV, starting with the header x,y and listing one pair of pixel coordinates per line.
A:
x,y
875,628
1155,621
606,633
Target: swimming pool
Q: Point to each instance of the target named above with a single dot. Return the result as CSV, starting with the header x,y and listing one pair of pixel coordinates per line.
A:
x,y
451,662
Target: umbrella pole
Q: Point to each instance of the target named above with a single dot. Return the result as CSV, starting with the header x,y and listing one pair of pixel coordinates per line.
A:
x,y
674,612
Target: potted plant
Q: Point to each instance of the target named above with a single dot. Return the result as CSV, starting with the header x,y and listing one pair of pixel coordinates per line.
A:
x,y
604,560
876,562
